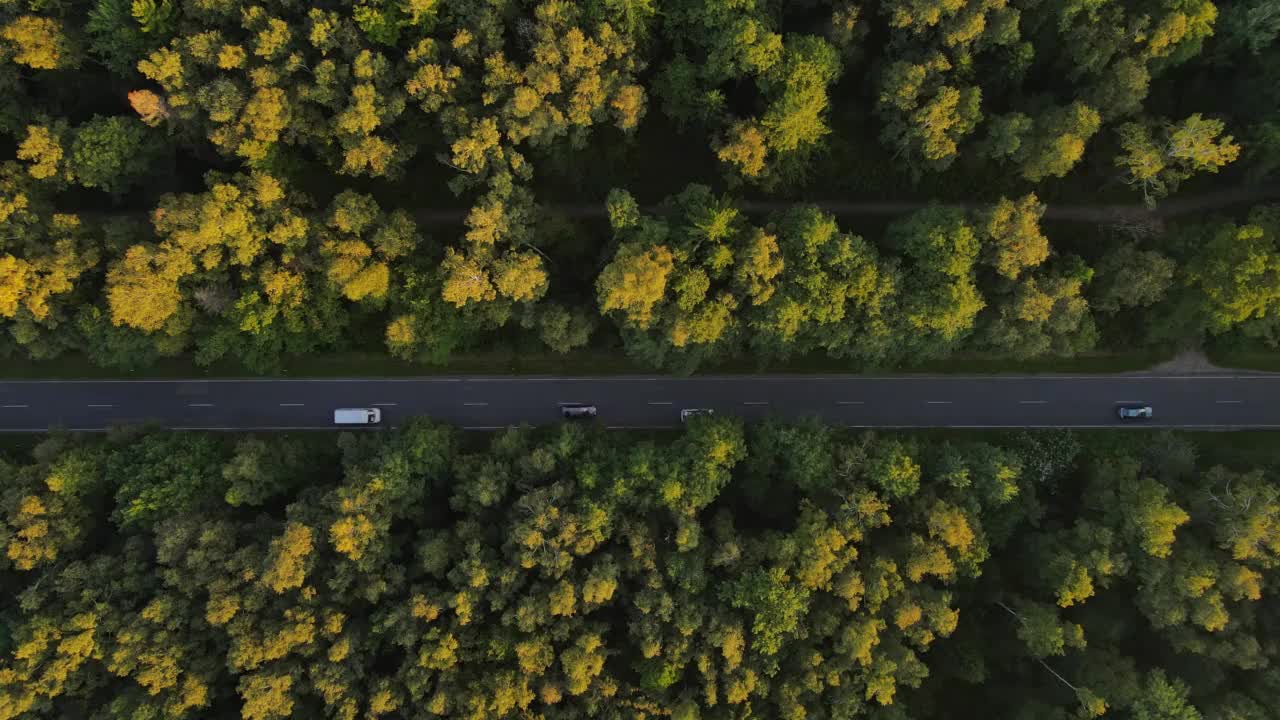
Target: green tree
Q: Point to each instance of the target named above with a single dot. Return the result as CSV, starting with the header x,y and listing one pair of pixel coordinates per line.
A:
x,y
46,260
112,153
1236,276
227,274
1045,313
1055,141
677,282
159,476
719,44
940,299
796,90
893,469
1013,232
1164,699
925,119
261,469
776,604
834,294
1156,167
1128,277
1250,26
1120,91
117,38
362,242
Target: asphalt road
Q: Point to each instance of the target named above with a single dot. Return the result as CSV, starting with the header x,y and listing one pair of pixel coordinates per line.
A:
x,y
1194,401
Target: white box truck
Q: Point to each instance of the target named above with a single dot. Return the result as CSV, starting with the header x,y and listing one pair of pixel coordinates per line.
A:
x,y
357,416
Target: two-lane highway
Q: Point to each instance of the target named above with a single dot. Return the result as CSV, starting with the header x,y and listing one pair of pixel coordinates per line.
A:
x,y
1229,401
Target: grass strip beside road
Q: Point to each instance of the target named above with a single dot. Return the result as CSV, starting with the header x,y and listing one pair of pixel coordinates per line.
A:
x,y
1092,363
579,363
1264,360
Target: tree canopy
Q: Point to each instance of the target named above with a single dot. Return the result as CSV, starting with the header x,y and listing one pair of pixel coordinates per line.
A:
x,y
442,169
788,570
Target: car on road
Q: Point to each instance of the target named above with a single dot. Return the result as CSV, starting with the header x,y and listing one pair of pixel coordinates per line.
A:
x,y
578,412
687,413
357,416
1134,412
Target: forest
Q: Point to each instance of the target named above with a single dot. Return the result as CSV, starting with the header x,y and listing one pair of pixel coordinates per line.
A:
x,y
665,180
789,571
682,184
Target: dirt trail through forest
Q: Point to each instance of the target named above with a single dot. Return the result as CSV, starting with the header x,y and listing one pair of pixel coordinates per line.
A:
x,y
1098,214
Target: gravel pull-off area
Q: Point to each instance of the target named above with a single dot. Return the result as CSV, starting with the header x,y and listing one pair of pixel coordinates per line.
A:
x,y
1188,362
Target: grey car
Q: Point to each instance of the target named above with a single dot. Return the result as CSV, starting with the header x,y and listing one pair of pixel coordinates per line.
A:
x,y
1135,412
578,412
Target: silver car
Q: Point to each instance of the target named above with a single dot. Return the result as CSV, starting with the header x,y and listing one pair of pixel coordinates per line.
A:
x,y
1135,412
578,412
687,413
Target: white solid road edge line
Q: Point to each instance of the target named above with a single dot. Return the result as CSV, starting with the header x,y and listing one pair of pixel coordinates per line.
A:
x,y
254,428
332,428
1049,426
786,378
